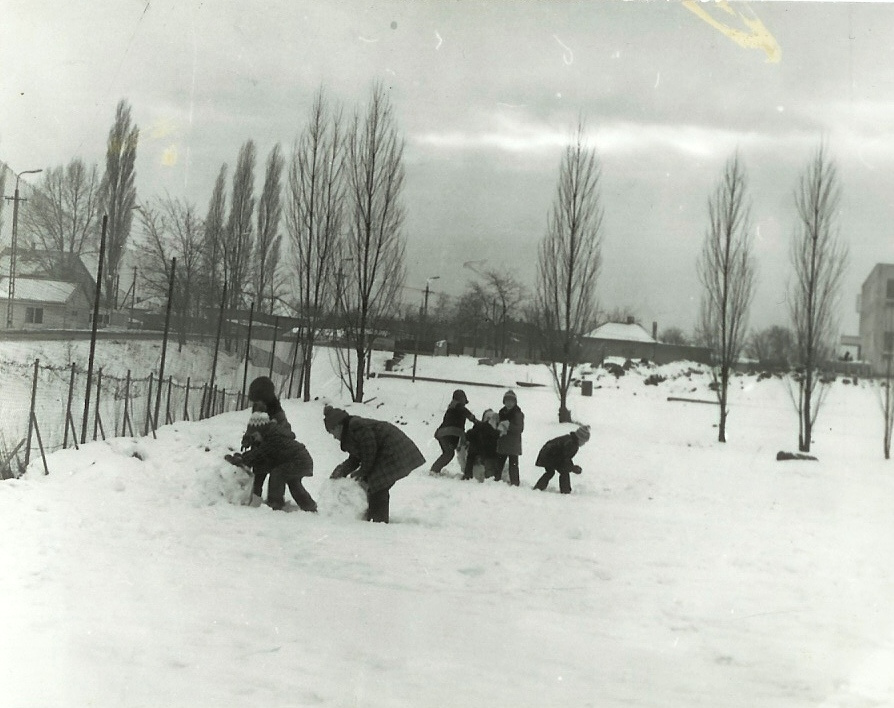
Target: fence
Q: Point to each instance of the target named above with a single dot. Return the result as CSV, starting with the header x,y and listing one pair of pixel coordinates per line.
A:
x,y
48,407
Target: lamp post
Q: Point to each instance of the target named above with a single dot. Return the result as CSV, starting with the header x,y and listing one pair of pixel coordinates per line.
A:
x,y
424,313
14,245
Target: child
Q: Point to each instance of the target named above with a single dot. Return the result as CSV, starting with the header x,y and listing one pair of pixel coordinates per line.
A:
x,y
482,439
452,429
273,449
379,454
509,445
262,390
557,455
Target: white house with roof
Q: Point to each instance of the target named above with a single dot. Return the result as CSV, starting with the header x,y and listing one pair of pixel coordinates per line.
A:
x,y
41,303
630,340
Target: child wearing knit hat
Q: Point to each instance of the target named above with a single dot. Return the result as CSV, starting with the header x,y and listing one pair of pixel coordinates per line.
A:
x,y
452,429
509,444
557,455
270,448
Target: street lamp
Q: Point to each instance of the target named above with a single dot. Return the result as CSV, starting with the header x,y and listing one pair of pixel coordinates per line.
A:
x,y
423,313
15,238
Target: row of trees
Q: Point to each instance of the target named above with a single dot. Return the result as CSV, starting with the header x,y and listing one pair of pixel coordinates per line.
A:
x,y
569,260
324,241
66,207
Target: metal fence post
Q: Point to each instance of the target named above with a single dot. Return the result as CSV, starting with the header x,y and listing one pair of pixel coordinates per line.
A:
x,y
102,250
164,341
31,414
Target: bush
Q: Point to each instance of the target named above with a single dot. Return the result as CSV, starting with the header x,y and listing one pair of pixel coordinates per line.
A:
x,y
615,369
655,379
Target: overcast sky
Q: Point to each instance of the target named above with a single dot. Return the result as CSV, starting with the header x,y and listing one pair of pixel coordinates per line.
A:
x,y
486,93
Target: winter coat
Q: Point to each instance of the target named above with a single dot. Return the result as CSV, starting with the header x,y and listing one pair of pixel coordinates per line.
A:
x,y
380,453
281,421
279,451
558,453
511,442
482,439
454,422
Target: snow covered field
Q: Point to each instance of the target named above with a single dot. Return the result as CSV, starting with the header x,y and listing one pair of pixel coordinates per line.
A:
x,y
680,572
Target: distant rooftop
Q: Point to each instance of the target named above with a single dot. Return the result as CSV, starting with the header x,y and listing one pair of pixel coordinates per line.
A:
x,y
620,331
39,290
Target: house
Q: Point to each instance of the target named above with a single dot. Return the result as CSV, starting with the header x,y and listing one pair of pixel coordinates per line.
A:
x,y
876,308
53,290
630,340
41,303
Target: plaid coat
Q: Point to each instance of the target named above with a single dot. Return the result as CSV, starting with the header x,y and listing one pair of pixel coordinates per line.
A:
x,y
380,453
558,453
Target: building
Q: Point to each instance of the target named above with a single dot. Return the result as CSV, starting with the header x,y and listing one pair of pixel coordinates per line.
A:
x,y
630,340
41,303
53,290
876,307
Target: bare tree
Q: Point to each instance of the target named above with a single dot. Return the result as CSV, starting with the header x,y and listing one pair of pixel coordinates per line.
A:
x,y
314,221
63,213
172,229
269,240
238,233
819,258
569,260
727,272
213,243
472,315
504,294
374,245
773,346
119,192
674,335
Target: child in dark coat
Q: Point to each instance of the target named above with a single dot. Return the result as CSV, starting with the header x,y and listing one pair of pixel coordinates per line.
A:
x,y
452,429
482,439
557,455
262,390
273,449
509,446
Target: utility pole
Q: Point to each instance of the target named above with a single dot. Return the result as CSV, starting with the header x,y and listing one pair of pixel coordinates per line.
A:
x,y
423,314
14,246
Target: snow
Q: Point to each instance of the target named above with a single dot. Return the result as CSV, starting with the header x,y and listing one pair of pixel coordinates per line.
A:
x,y
680,572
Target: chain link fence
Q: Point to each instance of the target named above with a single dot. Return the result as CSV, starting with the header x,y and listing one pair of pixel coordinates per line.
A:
x,y
49,407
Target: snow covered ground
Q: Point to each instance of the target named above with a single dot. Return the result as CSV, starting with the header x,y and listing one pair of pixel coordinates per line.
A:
x,y
680,572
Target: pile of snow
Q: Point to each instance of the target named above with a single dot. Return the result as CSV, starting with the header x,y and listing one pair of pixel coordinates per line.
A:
x,y
680,572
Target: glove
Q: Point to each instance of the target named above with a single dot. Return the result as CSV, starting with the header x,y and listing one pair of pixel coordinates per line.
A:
x,y
339,472
576,469
234,459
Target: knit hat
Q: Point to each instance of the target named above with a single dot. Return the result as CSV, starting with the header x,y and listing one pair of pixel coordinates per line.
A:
x,y
460,395
509,394
257,421
262,389
583,434
333,417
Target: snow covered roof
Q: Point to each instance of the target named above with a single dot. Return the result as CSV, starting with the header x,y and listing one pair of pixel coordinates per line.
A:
x,y
39,290
620,331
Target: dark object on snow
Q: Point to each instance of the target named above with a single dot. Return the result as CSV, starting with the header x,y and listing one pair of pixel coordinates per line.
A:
x,y
780,456
528,384
486,362
586,388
